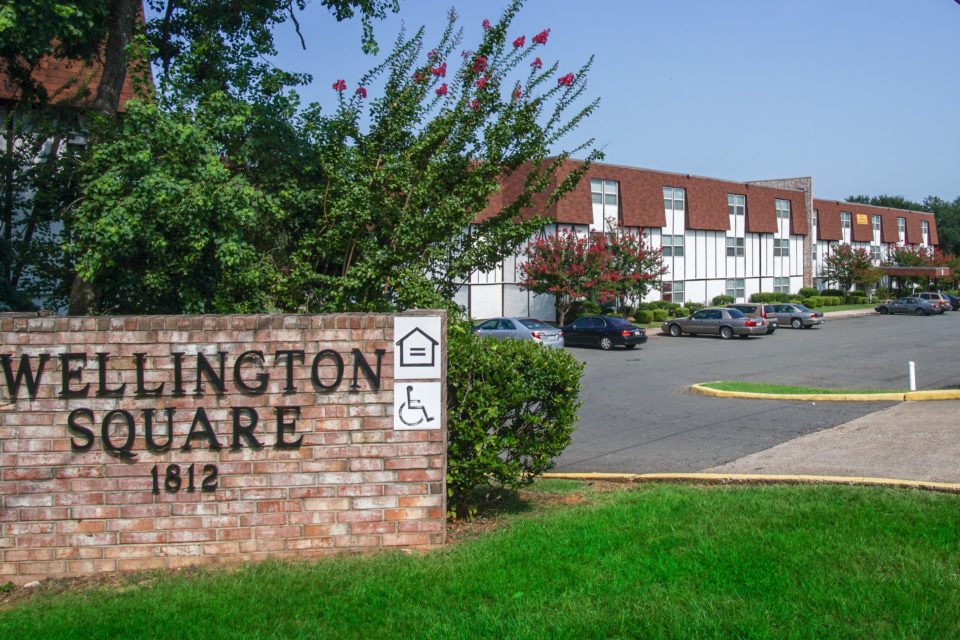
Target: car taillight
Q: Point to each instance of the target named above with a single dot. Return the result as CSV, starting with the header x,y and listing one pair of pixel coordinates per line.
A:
x,y
749,323
536,335
625,333
763,314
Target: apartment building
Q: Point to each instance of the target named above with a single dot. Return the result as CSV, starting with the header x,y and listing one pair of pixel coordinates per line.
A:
x,y
717,236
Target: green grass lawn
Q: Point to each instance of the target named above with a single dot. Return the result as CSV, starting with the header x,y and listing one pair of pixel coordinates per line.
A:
x,y
760,387
655,562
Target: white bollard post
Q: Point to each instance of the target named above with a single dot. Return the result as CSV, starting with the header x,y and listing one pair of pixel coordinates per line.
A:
x,y
912,369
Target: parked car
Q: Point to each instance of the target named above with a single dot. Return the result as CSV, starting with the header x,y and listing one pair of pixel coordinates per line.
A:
x,y
724,322
796,315
603,332
755,310
938,299
910,304
521,329
954,301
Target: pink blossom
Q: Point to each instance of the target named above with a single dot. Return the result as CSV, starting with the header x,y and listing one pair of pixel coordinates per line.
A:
x,y
340,86
486,24
519,42
432,56
566,80
482,82
479,64
541,38
442,89
475,104
439,71
418,76
517,92
362,92
537,63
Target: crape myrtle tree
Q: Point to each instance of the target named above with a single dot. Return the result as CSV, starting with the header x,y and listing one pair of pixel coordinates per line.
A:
x,y
217,203
591,266
569,266
847,266
636,267
910,256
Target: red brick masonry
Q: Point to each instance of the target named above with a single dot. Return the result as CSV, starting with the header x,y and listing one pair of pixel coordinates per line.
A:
x,y
308,462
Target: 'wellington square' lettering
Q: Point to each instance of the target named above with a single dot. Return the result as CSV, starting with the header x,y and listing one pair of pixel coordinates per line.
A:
x,y
190,440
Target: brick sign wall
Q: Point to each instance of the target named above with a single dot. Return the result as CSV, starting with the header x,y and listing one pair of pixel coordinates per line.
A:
x,y
141,442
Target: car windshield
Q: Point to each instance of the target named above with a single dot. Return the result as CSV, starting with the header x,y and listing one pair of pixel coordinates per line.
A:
x,y
735,313
619,322
530,323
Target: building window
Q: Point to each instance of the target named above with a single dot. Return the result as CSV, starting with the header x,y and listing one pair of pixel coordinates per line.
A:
x,y
673,198
844,220
781,285
902,228
813,250
781,248
673,292
783,209
875,253
876,224
816,216
925,229
735,247
605,192
736,205
736,288
673,246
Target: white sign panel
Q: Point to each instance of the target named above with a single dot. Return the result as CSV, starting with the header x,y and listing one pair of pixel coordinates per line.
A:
x,y
416,405
417,348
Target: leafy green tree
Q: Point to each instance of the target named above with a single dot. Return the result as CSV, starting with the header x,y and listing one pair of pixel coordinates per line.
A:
x,y
847,266
369,207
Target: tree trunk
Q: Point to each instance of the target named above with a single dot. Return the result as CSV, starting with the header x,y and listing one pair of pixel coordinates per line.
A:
x,y
85,296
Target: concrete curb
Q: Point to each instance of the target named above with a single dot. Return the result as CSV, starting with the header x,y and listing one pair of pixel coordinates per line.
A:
x,y
747,478
912,396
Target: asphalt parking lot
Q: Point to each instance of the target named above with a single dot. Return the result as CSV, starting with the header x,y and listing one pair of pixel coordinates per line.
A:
x,y
639,417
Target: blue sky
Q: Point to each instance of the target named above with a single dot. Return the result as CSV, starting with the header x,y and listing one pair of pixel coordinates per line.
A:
x,y
863,95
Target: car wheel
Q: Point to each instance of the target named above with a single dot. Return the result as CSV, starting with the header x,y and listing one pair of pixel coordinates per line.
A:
x,y
629,346
676,331
919,312
726,333
883,311
606,343
796,323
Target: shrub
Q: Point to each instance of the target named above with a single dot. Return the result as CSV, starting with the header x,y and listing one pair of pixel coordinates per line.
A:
x,y
808,292
682,312
719,301
693,307
645,316
813,302
661,315
831,301
769,296
833,292
511,409
856,298
583,308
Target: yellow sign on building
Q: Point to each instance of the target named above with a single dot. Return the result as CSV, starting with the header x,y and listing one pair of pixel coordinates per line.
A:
x,y
862,218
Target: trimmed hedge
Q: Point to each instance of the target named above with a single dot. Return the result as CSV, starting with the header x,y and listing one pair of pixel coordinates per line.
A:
x,y
693,307
719,301
769,296
808,292
661,315
644,316
511,409
833,292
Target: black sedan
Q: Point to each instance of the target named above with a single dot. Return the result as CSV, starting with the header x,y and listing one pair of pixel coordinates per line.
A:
x,y
603,332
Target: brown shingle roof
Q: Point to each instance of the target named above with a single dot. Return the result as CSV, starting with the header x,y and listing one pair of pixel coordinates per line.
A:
x,y
641,199
829,222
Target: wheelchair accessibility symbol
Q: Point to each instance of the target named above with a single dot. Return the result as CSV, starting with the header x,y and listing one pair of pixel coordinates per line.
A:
x,y
412,412
416,405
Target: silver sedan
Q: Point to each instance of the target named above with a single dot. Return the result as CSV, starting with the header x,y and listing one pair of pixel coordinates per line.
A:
x,y
725,323
521,329
796,315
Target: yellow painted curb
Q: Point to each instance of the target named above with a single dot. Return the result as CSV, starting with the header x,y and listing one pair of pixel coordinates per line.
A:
x,y
942,394
748,478
807,397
